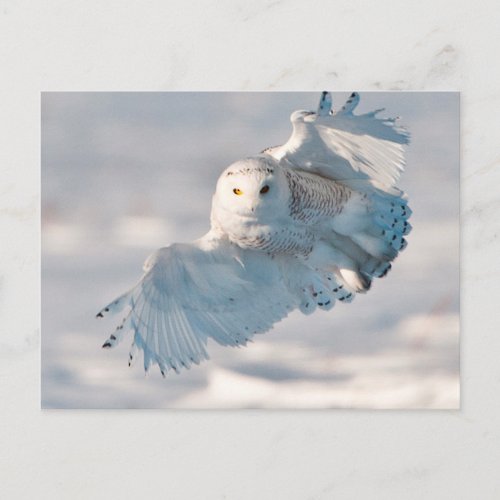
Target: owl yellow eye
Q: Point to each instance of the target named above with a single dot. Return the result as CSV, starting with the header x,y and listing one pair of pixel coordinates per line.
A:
x,y
237,191
264,190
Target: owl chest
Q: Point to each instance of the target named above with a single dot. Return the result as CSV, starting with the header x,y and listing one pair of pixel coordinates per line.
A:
x,y
276,237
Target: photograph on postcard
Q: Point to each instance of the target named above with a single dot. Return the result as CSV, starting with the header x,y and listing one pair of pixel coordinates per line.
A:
x,y
281,250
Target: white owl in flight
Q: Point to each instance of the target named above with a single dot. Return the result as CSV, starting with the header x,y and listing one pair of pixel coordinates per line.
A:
x,y
301,225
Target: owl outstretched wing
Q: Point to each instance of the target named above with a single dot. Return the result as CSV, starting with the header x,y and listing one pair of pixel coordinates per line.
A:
x,y
190,292
363,151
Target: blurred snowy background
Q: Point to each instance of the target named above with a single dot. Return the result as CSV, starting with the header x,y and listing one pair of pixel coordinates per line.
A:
x,y
126,173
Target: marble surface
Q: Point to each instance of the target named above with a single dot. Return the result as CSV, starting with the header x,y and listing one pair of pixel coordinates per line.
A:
x,y
280,45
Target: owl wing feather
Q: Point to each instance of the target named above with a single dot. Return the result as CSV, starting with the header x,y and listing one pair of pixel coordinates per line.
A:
x,y
365,154
192,292
362,151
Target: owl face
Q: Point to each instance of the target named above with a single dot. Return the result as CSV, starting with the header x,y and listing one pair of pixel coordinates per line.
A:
x,y
253,189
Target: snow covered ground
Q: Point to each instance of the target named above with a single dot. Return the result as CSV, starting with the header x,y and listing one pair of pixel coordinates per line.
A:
x,y
126,173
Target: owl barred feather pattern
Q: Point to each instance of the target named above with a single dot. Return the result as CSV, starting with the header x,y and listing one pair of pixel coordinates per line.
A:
x,y
313,196
301,225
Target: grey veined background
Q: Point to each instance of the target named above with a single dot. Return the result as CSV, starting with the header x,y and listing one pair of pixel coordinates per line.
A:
x,y
126,173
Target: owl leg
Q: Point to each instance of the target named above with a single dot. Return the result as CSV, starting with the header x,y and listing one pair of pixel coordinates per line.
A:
x,y
326,257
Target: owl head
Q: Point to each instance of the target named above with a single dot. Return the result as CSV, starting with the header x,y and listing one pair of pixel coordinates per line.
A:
x,y
254,187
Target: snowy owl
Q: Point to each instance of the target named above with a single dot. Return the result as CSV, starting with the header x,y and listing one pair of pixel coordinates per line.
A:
x,y
301,225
